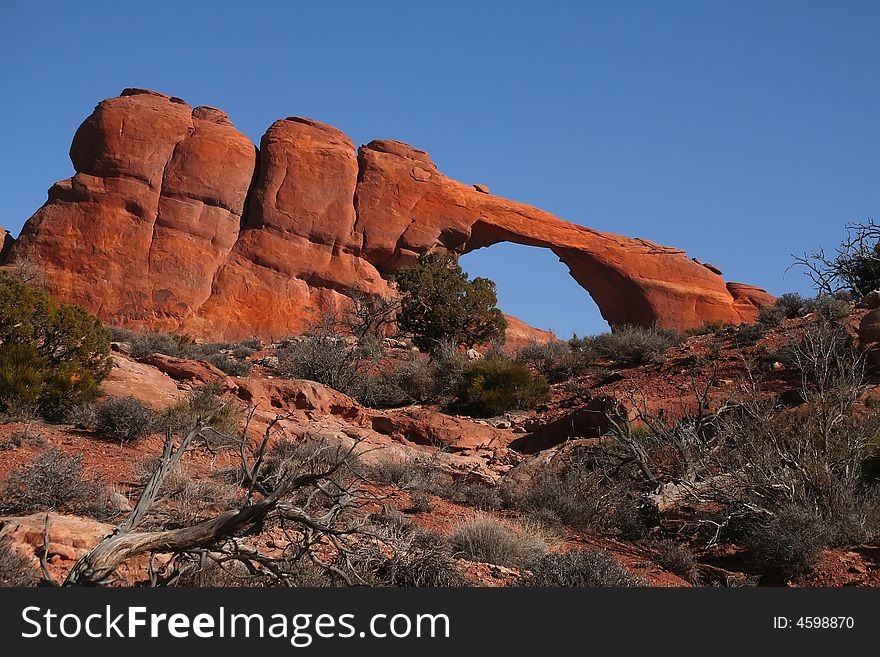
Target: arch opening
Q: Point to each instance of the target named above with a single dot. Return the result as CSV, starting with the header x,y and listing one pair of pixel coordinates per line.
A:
x,y
535,286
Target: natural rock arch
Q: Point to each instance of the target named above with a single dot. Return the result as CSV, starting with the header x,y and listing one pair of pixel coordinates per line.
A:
x,y
406,206
174,220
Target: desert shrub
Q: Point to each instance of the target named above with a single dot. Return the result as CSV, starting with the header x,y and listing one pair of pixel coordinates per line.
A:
x,y
223,415
493,541
635,345
829,307
855,265
194,501
677,559
474,494
439,302
748,334
368,315
786,544
26,436
185,499
420,502
495,385
412,381
329,358
242,352
579,494
83,416
410,472
793,480
251,343
579,568
557,361
232,574
16,569
631,518
144,468
789,306
710,327
125,419
145,343
407,557
448,363
231,365
52,355
54,480
207,401
312,455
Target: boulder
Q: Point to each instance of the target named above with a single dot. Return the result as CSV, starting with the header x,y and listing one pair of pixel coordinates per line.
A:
x,y
129,378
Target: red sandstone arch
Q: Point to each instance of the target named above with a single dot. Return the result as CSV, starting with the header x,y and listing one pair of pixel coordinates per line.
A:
x,y
174,221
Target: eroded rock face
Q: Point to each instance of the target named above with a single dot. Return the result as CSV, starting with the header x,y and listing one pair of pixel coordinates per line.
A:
x,y
138,234
175,221
295,256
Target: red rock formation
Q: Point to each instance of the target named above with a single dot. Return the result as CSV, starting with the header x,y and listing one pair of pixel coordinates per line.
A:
x,y
6,242
139,232
519,334
167,224
294,257
405,206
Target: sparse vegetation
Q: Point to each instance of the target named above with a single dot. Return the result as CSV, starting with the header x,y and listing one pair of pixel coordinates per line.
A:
x,y
855,265
328,357
785,484
582,568
230,358
145,343
54,480
789,306
417,558
16,570
27,436
230,364
556,360
369,315
579,494
635,345
493,541
224,415
677,559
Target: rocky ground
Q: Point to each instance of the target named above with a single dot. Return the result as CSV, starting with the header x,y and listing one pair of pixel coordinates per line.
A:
x,y
503,451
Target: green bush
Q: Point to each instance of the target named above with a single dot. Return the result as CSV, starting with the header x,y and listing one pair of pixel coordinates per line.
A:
x,y
582,568
439,302
124,419
495,385
52,355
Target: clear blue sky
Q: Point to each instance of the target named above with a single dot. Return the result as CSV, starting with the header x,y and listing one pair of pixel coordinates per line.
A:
x,y
739,131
